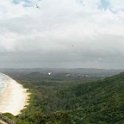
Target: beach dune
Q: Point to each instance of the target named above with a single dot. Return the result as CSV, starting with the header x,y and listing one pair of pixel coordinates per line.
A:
x,y
14,98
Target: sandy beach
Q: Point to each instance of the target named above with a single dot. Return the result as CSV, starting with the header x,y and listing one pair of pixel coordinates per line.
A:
x,y
14,98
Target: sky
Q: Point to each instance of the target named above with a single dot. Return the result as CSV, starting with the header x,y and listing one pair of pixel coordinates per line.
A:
x,y
66,33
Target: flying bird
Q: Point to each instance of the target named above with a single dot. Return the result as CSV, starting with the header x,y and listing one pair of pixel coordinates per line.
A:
x,y
37,6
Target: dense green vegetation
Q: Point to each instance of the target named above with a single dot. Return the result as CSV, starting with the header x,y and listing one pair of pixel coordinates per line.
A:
x,y
66,101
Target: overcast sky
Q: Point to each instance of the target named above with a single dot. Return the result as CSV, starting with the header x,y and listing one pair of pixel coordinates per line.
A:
x,y
62,33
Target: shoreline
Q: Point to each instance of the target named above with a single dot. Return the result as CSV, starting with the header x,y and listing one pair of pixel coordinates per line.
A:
x,y
14,98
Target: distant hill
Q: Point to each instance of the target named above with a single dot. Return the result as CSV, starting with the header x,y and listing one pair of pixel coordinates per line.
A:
x,y
68,102
92,72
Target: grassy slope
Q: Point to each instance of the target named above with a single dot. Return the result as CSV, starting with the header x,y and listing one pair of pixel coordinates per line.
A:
x,y
60,102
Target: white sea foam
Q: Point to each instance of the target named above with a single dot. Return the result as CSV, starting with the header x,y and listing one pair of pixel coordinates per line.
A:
x,y
3,83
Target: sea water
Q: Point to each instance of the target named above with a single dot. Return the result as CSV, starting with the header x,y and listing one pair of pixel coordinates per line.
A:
x,y
3,82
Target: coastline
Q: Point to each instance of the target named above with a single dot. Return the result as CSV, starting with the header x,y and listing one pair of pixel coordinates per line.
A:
x,y
14,98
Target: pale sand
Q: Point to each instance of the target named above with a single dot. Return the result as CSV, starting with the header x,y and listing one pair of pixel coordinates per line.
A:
x,y
14,98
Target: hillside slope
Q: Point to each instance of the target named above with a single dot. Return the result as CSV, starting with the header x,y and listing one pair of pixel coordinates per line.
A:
x,y
101,102
66,102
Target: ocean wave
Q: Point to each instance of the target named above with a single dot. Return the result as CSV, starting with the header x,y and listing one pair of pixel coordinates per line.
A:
x,y
3,82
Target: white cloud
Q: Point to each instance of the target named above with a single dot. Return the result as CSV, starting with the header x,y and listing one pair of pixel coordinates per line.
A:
x,y
79,27
117,5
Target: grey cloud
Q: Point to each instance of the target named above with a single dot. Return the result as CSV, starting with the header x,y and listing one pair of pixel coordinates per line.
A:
x,y
62,34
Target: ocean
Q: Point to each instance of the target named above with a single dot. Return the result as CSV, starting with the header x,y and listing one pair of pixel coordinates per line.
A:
x,y
3,82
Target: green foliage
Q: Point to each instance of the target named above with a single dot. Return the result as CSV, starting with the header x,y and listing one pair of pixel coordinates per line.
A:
x,y
55,101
